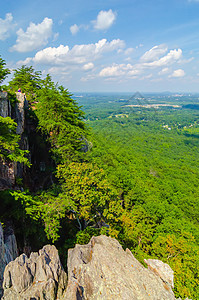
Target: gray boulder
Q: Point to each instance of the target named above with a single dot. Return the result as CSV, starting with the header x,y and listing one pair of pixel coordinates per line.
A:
x,y
40,277
103,270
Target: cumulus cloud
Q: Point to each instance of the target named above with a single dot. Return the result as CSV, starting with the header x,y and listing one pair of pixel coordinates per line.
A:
x,y
74,29
105,19
6,26
35,36
154,53
88,66
178,73
151,59
79,54
112,71
119,70
169,58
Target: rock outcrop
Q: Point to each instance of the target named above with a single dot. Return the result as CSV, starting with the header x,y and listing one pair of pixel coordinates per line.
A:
x,y
99,270
39,277
5,107
8,251
103,270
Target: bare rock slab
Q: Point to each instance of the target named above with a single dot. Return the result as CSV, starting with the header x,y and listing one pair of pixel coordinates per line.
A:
x,y
103,270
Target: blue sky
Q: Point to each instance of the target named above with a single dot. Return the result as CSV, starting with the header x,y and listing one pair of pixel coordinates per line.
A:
x,y
107,46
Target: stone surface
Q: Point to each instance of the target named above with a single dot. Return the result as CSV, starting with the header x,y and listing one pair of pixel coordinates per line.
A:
x,y
103,270
5,107
9,171
162,270
20,113
6,170
8,251
99,270
39,277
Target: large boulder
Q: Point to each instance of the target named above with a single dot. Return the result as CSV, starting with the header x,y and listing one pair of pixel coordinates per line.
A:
x,y
40,277
103,270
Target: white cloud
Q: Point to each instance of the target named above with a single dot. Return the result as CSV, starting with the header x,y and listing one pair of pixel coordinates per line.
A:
x,y
154,53
36,35
119,70
88,66
151,59
149,76
79,54
74,29
170,58
24,62
178,73
6,26
164,71
115,70
134,72
105,19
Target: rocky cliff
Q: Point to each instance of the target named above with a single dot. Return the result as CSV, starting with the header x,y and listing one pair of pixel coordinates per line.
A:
x,y
8,250
39,175
9,171
99,270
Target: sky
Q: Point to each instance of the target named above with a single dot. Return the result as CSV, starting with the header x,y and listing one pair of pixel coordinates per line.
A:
x,y
105,46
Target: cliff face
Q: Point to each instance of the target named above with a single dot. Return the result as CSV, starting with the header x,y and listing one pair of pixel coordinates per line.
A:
x,y
36,177
9,171
8,251
99,270
5,107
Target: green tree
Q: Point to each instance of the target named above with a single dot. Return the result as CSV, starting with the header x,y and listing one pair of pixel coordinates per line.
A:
x,y
62,120
9,147
3,71
28,80
84,195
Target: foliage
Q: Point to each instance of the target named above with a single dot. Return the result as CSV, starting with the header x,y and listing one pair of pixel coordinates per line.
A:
x,y
88,189
62,120
28,80
9,147
84,236
182,254
3,71
83,194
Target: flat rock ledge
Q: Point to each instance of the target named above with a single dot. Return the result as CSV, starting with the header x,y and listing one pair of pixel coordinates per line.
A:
x,y
99,270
